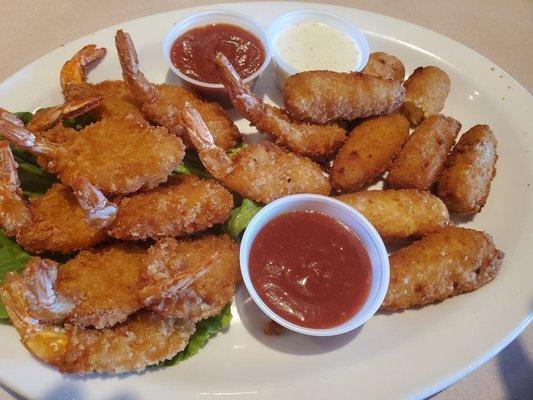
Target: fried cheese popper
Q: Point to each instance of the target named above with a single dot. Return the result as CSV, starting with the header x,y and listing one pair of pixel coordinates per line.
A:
x,y
325,96
441,265
262,172
465,181
426,91
163,103
420,161
400,214
368,152
383,65
310,140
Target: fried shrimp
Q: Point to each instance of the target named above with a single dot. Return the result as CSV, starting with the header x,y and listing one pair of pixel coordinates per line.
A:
x,y
145,338
181,206
310,140
368,152
52,222
116,98
426,91
444,264
400,214
465,182
163,103
208,295
324,96
262,172
383,65
117,155
420,161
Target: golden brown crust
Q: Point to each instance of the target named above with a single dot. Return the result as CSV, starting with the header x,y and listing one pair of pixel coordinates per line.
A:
x,y
420,161
400,214
444,264
181,206
384,65
324,96
368,152
464,184
426,91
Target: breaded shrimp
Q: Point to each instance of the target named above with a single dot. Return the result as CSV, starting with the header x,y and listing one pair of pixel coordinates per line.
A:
x,y
310,140
324,96
262,172
181,206
208,295
444,264
383,65
146,338
464,184
426,91
116,98
420,161
52,222
400,214
368,152
163,103
116,154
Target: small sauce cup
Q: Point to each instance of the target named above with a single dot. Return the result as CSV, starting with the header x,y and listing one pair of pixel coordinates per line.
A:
x,y
352,219
215,91
282,69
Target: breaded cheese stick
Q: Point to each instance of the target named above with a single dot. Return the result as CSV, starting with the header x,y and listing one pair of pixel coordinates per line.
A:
x,y
368,152
383,65
426,91
400,214
464,184
444,264
324,96
420,161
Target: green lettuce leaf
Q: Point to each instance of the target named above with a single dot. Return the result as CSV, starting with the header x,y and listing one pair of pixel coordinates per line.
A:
x,y
204,330
241,217
192,165
78,122
24,116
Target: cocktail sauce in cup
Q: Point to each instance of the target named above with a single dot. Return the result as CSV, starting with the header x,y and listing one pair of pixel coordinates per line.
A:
x,y
314,265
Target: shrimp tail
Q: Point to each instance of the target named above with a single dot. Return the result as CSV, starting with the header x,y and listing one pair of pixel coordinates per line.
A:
x,y
22,137
10,117
139,86
74,72
99,211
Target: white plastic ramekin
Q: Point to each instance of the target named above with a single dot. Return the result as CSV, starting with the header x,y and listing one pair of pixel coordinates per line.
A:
x,y
216,91
353,220
282,69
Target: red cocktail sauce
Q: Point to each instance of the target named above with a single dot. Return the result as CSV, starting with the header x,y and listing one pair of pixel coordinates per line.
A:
x,y
194,52
310,269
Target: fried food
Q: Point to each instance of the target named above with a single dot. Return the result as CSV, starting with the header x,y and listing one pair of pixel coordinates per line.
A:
x,y
310,140
464,184
52,222
262,172
208,295
117,155
400,214
324,96
368,152
163,103
420,161
383,65
116,98
181,206
441,265
426,91
144,339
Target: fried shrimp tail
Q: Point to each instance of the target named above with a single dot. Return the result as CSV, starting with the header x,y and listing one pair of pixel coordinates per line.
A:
x,y
444,264
20,136
311,140
465,181
74,72
383,65
324,96
99,211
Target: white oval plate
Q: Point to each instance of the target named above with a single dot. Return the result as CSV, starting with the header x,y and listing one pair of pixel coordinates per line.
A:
x,y
409,354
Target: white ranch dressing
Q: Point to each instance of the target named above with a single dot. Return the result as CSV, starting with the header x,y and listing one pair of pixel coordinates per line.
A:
x,y
314,45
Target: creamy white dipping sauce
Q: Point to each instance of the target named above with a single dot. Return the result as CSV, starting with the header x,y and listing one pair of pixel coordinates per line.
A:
x,y
314,45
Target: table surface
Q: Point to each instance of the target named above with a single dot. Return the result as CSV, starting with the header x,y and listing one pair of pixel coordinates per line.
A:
x,y
498,29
